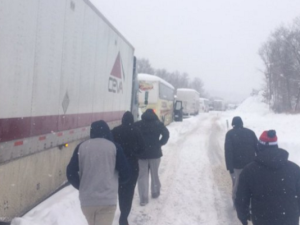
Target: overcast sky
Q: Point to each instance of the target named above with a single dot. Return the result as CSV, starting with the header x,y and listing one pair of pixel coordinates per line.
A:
x,y
215,40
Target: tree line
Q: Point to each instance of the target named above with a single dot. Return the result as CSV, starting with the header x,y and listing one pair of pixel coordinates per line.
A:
x,y
281,57
177,79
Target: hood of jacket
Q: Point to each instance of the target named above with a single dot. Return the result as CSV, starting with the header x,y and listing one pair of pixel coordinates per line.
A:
x,y
100,129
127,119
149,115
237,122
273,158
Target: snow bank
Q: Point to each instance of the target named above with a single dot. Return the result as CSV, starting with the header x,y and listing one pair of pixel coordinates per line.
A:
x,y
254,104
63,208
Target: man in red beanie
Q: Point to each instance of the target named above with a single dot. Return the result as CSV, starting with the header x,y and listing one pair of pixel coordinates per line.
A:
x,y
240,148
271,185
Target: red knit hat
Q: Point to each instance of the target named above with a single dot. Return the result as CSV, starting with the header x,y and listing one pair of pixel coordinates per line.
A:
x,y
268,138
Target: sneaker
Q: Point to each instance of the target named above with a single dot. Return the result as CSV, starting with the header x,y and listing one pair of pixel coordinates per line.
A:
x,y
155,195
143,203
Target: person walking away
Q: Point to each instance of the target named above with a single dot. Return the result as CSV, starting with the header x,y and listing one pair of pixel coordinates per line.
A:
x,y
271,185
155,135
94,169
130,139
240,149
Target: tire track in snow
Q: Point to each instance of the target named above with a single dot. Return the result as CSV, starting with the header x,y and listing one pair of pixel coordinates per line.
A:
x,y
170,198
187,201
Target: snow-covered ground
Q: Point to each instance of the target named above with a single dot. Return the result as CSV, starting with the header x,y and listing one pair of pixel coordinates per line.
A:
x,y
196,188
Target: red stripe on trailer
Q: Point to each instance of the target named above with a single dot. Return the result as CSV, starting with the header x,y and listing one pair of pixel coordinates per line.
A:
x,y
83,129
60,134
72,132
25,127
42,138
18,143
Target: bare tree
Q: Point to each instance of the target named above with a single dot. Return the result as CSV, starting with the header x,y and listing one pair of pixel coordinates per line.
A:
x,y
144,66
177,79
281,57
197,84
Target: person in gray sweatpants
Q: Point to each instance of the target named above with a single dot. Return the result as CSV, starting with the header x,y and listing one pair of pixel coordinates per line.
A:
x,y
146,166
155,135
95,169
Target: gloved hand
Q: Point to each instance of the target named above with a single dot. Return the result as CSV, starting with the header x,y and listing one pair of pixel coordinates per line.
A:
x,y
245,222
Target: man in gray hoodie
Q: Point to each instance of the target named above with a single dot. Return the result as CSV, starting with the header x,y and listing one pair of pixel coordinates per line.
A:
x,y
94,169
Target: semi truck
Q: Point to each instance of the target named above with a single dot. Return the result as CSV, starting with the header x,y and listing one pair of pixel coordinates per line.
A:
x,y
190,100
63,65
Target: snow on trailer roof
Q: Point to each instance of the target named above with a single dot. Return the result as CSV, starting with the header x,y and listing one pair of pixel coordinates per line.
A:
x,y
148,77
187,89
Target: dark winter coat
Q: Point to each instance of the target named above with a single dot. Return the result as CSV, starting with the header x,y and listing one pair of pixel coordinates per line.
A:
x,y
240,147
130,138
155,135
271,185
96,166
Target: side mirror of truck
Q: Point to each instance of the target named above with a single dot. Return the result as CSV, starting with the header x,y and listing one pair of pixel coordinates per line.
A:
x,y
146,98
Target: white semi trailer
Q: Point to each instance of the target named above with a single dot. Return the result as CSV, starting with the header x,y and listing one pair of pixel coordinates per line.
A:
x,y
62,66
190,100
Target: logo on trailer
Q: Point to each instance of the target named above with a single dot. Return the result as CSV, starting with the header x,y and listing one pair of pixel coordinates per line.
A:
x,y
117,75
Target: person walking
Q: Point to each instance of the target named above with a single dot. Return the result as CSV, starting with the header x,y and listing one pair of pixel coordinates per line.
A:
x,y
94,169
240,149
155,135
271,185
132,142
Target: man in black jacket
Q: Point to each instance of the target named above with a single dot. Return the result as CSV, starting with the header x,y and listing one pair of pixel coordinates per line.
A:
x,y
132,142
271,185
240,148
155,135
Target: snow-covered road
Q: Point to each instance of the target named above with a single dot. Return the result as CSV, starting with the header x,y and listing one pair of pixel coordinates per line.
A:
x,y
196,188
195,184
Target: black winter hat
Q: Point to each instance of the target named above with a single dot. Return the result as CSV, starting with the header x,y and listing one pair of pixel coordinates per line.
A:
x,y
237,121
127,118
100,129
149,115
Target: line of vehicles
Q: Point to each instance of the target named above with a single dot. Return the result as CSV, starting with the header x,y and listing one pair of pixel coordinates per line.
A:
x,y
63,65
170,104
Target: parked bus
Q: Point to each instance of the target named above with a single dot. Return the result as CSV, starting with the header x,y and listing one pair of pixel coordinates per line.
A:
x,y
157,94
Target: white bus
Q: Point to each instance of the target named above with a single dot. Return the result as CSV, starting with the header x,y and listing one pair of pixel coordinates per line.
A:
x,y
157,94
190,100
